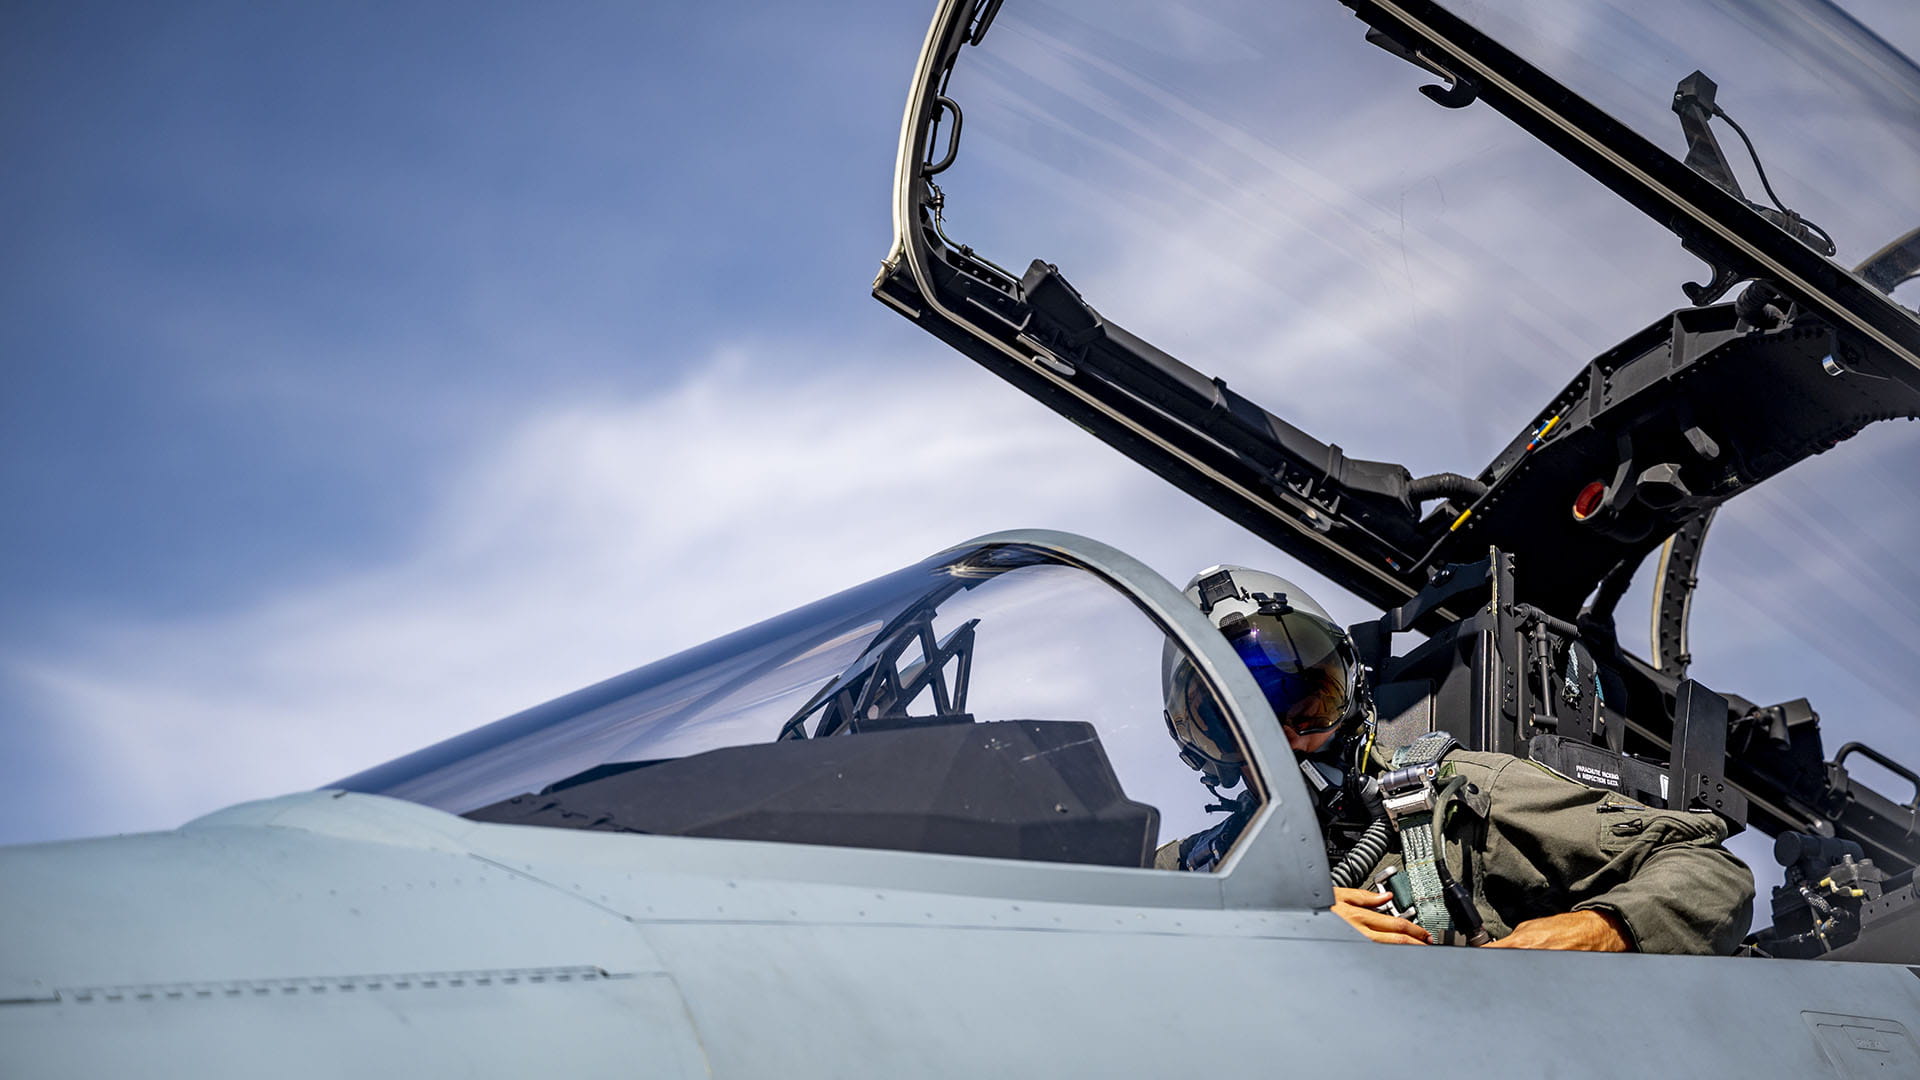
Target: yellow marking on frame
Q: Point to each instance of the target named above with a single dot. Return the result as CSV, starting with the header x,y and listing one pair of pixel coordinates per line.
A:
x,y
1461,520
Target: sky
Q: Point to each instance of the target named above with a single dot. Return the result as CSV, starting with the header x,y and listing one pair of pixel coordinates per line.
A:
x,y
372,371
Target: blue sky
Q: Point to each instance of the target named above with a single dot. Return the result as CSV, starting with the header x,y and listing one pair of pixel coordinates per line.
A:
x,y
372,371
359,240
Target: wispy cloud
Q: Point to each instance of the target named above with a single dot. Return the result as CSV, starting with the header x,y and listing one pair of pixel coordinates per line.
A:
x,y
591,537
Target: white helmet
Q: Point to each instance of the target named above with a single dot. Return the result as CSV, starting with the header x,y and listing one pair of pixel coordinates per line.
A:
x,y
1301,659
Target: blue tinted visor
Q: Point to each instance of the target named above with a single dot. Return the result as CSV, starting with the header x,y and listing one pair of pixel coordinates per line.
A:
x,y
1303,664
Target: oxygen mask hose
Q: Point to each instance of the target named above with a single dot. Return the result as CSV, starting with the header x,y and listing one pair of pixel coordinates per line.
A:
x,y
1365,852
1372,845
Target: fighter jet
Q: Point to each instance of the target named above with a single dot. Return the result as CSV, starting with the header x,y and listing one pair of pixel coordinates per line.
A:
x,y
910,829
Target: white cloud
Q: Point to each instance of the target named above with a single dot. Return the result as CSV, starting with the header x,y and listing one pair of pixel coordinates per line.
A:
x,y
593,537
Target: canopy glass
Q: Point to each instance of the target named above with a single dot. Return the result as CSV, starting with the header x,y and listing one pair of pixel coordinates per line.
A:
x,y
1014,633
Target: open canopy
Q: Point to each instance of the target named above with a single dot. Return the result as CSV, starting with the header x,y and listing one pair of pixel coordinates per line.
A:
x,y
1483,269
1566,279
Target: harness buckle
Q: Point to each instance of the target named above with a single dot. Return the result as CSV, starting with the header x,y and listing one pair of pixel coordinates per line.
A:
x,y
1409,790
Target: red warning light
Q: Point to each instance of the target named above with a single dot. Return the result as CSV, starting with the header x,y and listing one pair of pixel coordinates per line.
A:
x,y
1587,503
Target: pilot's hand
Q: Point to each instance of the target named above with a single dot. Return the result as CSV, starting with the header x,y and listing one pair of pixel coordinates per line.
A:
x,y
1586,931
1357,907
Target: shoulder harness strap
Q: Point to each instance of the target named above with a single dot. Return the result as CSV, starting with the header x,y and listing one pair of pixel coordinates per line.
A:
x,y
1408,791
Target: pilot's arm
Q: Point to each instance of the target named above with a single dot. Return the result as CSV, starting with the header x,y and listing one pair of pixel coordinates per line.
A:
x,y
1550,846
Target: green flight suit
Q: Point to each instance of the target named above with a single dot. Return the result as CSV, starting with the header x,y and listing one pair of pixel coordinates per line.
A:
x,y
1532,843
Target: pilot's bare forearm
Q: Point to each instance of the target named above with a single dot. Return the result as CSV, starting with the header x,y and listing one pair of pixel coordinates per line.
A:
x,y
1582,931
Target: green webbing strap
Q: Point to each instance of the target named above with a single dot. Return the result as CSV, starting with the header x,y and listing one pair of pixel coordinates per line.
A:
x,y
1418,844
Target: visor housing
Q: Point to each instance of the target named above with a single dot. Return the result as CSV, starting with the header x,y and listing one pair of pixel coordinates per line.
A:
x,y
1303,664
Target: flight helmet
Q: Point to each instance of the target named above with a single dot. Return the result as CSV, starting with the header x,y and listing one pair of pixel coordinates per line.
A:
x,y
1301,659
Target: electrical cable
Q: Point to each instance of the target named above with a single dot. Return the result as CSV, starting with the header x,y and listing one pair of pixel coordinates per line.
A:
x,y
1761,169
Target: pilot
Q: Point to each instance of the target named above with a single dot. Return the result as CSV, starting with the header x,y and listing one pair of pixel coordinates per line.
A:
x,y
1482,848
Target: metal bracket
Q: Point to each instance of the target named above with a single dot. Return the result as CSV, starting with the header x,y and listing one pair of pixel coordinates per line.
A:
x,y
1458,93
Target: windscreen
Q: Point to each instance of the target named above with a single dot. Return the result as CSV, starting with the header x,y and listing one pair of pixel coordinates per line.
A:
x,y
1005,640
